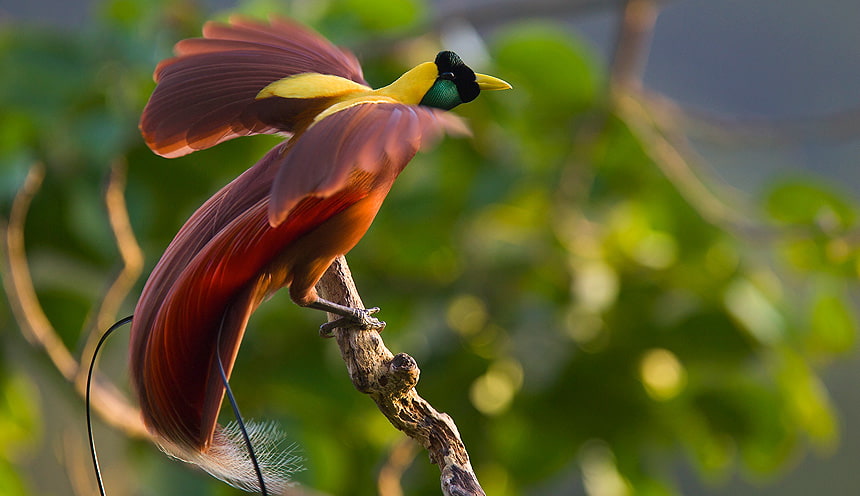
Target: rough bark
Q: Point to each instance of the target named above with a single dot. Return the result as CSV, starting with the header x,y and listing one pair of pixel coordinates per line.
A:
x,y
390,381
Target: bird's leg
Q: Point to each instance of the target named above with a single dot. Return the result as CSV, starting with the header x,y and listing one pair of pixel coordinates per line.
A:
x,y
305,278
360,318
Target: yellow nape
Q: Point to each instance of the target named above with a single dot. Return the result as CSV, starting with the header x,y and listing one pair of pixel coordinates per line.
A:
x,y
351,102
411,87
311,85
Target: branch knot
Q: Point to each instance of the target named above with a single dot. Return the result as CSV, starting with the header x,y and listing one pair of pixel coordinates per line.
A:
x,y
403,373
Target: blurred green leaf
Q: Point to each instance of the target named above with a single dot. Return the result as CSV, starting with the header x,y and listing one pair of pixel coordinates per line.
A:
x,y
383,15
808,401
20,430
11,482
833,325
755,311
19,416
547,66
806,202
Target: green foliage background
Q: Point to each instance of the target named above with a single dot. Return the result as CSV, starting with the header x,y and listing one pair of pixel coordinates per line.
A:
x,y
574,310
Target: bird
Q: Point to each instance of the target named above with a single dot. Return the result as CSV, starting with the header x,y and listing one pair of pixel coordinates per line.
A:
x,y
278,224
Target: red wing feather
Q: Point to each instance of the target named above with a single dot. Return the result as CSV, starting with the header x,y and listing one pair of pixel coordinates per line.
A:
x,y
159,296
218,266
375,138
229,256
313,53
207,93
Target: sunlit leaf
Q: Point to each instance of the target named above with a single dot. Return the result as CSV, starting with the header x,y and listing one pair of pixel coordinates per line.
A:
x,y
833,325
808,401
11,481
548,65
806,202
754,310
19,416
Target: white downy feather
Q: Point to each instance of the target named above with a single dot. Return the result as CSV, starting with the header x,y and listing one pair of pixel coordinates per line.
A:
x,y
228,460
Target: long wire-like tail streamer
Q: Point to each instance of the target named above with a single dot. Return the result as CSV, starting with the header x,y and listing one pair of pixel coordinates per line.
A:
x,y
235,406
104,337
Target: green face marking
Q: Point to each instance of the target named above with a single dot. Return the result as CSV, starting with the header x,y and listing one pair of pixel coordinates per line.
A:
x,y
442,95
455,84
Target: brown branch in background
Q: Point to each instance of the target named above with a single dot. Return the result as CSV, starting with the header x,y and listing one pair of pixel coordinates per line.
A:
x,y
668,149
636,26
663,128
108,402
130,254
78,469
839,126
632,42
19,284
390,381
653,120
400,457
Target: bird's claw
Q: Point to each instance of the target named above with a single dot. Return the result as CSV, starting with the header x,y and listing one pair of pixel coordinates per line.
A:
x,y
362,319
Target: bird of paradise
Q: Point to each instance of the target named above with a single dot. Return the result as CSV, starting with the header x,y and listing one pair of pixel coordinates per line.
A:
x,y
279,224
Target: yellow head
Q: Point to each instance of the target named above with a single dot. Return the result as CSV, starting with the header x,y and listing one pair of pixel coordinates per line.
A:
x,y
444,83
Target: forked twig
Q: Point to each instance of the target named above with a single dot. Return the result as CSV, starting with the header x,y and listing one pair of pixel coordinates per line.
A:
x,y
651,119
390,381
34,324
648,121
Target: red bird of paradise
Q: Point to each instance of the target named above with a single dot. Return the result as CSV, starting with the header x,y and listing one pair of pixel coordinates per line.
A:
x,y
280,223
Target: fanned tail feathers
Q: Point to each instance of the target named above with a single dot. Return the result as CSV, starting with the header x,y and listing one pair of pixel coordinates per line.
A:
x,y
227,457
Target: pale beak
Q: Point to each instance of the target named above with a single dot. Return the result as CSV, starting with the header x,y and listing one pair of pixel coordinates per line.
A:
x,y
491,83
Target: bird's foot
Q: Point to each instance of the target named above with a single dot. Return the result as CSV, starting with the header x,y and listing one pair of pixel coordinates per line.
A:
x,y
350,318
358,318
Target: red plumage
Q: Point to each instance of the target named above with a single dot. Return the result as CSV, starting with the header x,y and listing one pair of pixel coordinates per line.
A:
x,y
280,223
206,93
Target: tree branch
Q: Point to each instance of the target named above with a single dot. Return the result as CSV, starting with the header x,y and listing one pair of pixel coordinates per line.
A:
x,y
34,324
650,119
668,150
390,381
632,42
400,457
130,254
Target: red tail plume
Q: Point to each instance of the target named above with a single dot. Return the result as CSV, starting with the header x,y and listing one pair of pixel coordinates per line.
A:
x,y
281,223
